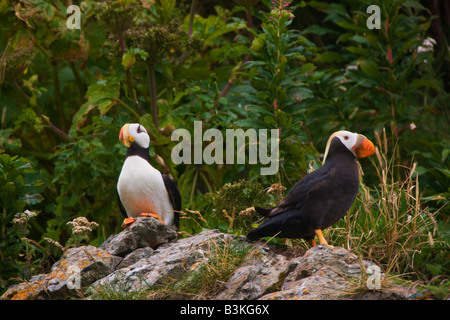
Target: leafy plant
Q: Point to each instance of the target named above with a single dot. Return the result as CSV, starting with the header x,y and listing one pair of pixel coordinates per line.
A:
x,y
231,201
278,74
20,189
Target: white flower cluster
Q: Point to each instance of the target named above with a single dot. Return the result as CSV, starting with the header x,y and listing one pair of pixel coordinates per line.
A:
x,y
81,226
427,45
53,243
23,217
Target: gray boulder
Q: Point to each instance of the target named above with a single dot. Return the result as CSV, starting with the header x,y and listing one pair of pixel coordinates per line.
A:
x,y
76,268
169,261
144,232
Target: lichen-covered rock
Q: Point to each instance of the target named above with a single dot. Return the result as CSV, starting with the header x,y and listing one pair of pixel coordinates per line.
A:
x,y
144,232
135,256
149,255
322,273
76,268
262,271
169,261
325,273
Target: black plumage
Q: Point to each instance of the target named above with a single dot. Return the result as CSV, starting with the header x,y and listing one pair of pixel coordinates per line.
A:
x,y
174,196
316,201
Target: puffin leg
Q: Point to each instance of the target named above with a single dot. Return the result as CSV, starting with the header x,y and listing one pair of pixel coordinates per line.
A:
x,y
312,242
321,237
153,215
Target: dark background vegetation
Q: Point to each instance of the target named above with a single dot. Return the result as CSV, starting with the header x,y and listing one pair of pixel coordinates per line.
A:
x,y
308,68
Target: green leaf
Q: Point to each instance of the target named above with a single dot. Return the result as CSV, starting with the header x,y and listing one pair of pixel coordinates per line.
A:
x,y
258,42
101,94
416,83
319,30
360,39
370,68
307,67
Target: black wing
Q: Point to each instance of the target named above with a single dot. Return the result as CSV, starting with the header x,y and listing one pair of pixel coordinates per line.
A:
x,y
122,209
174,196
303,189
289,224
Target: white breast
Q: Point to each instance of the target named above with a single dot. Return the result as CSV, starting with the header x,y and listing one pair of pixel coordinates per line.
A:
x,y
141,189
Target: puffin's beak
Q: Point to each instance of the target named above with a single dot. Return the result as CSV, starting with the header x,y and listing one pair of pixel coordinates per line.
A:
x,y
124,135
363,147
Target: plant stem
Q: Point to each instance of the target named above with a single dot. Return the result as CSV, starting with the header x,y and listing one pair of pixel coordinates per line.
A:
x,y
129,83
134,113
122,44
191,16
249,23
186,53
3,227
230,81
152,91
58,98
78,79
131,91
45,119
194,184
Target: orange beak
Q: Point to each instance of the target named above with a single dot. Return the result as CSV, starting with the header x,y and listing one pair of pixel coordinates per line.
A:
x,y
363,147
124,135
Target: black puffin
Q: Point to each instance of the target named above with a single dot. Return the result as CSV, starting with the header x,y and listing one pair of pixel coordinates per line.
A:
x,y
320,198
141,189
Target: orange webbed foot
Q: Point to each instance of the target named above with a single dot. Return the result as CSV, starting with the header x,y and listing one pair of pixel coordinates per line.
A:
x,y
153,215
127,222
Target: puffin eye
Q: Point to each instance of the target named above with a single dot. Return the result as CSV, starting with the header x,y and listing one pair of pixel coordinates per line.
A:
x,y
345,137
139,130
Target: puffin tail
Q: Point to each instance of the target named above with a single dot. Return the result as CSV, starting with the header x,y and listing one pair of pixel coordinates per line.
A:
x,y
286,224
263,211
252,236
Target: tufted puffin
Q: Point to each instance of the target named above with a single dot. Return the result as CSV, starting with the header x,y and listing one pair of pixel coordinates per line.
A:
x,y
320,198
141,189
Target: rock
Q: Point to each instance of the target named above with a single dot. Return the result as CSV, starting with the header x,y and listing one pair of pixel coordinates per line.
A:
x,y
135,256
144,232
169,261
262,271
76,267
147,254
330,273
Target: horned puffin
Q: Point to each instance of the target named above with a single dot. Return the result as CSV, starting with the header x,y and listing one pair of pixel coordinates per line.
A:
x,y
141,189
320,198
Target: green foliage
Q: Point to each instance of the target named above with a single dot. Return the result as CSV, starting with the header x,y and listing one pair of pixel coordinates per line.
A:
x,y
86,172
232,199
278,75
21,187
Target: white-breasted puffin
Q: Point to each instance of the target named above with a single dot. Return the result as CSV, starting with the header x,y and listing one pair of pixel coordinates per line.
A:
x,y
320,198
142,190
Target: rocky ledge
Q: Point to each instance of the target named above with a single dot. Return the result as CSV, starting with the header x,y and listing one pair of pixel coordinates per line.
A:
x,y
147,253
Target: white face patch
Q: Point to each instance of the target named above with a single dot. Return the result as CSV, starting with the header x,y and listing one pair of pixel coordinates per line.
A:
x,y
139,134
348,139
